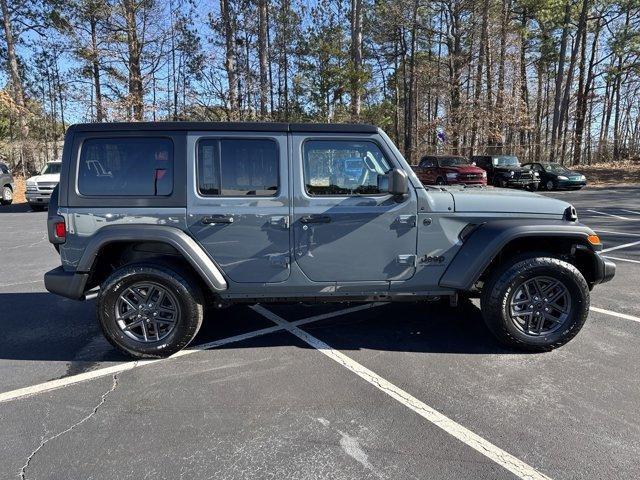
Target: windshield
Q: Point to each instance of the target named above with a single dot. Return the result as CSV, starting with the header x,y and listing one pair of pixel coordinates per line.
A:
x,y
453,161
555,168
506,161
50,168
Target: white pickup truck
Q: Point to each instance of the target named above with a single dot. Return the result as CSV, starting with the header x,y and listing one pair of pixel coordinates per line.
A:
x,y
39,187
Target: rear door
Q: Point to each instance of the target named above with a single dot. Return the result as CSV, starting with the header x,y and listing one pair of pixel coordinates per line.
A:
x,y
345,228
238,206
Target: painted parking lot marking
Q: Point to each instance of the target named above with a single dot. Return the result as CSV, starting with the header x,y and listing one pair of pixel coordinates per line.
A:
x,y
466,436
123,367
619,259
615,314
633,212
625,234
618,247
608,214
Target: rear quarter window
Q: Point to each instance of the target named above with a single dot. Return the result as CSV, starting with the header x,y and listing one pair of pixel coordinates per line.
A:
x,y
126,167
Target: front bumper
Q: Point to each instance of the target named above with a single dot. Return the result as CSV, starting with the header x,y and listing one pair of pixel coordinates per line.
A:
x,y
605,269
38,198
518,182
571,184
66,284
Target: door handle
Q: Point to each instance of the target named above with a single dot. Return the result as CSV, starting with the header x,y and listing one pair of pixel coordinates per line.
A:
x,y
217,219
315,219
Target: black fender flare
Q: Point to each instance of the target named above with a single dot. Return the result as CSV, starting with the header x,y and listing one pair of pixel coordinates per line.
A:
x,y
484,243
178,239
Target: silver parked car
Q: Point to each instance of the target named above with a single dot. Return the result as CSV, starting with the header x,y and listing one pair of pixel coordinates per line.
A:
x,y
6,185
39,187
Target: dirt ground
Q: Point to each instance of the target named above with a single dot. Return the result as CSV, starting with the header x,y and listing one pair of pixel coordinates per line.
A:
x,y
611,173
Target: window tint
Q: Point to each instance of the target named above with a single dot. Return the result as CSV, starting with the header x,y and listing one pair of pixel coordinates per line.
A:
x,y
238,167
126,167
426,162
343,167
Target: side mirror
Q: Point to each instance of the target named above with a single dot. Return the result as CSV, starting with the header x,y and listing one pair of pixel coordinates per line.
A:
x,y
397,182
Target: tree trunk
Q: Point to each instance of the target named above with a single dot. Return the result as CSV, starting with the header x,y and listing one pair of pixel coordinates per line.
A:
x,y
356,58
95,67
135,73
263,54
230,61
16,80
559,76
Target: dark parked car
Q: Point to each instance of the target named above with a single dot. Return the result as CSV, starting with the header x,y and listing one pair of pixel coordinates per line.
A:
x,y
444,170
505,171
6,185
554,176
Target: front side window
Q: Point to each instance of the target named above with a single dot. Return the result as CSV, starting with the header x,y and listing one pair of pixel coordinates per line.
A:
x,y
343,167
126,167
238,167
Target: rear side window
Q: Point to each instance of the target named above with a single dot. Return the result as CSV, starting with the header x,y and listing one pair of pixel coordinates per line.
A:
x,y
126,167
238,167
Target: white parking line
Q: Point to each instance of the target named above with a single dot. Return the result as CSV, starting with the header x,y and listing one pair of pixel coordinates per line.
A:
x,y
622,259
630,211
608,214
615,314
466,436
123,367
626,234
618,247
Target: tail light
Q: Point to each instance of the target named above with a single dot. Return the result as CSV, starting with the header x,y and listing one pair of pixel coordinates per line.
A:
x,y
61,230
57,229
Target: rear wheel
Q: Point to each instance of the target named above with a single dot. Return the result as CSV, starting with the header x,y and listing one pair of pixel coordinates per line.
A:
x,y
6,196
149,310
536,303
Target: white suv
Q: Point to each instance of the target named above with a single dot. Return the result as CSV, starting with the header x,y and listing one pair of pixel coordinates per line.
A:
x,y
39,188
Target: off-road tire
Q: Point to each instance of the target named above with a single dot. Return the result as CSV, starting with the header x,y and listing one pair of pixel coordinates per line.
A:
x,y
6,195
498,290
186,292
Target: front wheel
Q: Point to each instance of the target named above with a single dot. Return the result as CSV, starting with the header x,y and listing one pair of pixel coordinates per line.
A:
x,y
149,310
536,304
6,196
550,185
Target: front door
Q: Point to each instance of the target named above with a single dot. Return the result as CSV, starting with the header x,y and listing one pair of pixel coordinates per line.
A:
x,y
345,228
239,204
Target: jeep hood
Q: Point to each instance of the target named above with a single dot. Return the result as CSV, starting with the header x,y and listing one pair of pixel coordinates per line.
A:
x,y
499,200
50,177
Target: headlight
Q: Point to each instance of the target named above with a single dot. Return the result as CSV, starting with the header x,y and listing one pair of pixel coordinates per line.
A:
x,y
31,183
452,176
582,177
536,174
562,177
512,173
484,174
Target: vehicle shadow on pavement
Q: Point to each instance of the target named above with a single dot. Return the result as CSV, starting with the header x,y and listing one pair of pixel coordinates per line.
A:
x,y
15,208
43,327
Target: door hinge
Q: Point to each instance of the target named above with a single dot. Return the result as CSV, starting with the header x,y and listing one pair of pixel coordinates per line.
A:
x,y
409,259
408,220
281,221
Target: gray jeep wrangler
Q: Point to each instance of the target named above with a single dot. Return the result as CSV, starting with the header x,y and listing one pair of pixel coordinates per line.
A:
x,y
159,220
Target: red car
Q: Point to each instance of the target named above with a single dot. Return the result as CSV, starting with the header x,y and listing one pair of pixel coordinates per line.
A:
x,y
448,170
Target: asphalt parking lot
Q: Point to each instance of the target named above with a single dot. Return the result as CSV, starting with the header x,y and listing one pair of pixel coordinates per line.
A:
x,y
311,391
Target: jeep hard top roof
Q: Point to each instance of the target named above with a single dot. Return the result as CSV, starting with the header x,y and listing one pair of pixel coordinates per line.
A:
x,y
225,126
